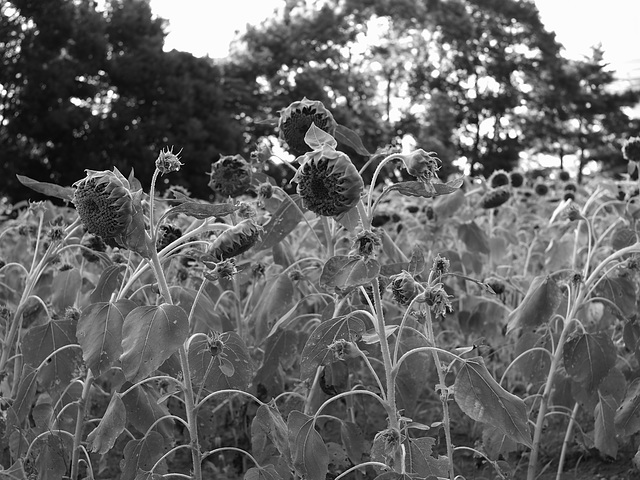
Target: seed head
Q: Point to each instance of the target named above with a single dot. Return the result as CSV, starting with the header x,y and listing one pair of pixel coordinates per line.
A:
x,y
104,203
437,298
296,119
541,189
494,198
564,176
499,178
235,240
516,179
328,182
223,270
631,149
230,176
367,243
168,162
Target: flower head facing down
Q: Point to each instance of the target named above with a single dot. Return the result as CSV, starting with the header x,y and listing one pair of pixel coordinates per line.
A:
x,y
366,244
631,149
422,165
296,119
494,198
438,300
168,161
328,182
499,178
230,176
104,203
235,240
404,288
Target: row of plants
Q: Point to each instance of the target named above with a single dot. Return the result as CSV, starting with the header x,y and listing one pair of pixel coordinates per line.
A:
x,y
385,331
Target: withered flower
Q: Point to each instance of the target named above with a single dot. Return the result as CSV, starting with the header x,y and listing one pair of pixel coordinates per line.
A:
x,y
495,197
230,176
296,119
235,240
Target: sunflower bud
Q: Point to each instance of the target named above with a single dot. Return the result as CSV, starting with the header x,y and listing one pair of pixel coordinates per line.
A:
x,y
235,240
230,176
296,119
168,162
328,182
494,198
422,165
631,149
403,288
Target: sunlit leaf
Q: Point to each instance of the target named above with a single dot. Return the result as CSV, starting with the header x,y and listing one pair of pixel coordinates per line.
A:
x,y
317,138
484,400
49,189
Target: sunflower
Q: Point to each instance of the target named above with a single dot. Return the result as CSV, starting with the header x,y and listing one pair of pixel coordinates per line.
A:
x,y
631,149
328,182
235,240
495,197
104,203
230,176
499,178
296,119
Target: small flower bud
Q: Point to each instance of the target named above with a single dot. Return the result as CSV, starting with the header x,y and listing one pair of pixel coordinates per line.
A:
x,y
168,162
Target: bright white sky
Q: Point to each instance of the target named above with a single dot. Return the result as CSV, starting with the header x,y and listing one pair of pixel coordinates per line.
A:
x,y
207,26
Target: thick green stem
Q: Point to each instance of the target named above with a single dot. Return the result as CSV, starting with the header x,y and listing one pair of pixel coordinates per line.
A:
x,y
82,412
386,356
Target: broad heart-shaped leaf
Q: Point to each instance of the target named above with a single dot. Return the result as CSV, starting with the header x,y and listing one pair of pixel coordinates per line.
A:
x,y
65,288
99,333
112,424
280,348
282,222
141,455
474,238
484,400
353,441
496,443
202,210
276,298
50,189
419,458
144,408
317,138
538,306
54,455
209,372
42,340
348,137
627,419
345,271
269,422
588,358
109,281
204,317
308,450
316,351
604,428
622,292
150,335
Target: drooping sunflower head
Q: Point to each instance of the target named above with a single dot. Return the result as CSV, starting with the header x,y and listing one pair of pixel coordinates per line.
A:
x,y
235,240
104,202
230,176
495,197
329,183
516,179
296,119
404,288
499,178
631,149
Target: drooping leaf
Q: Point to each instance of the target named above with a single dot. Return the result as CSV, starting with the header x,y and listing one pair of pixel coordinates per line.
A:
x,y
283,221
141,455
345,271
230,368
412,376
420,460
623,237
419,189
484,400
54,455
276,298
25,395
144,407
604,428
308,450
496,443
150,334
627,417
621,290
317,138
41,341
316,351
269,422
534,364
446,206
474,238
203,210
50,189
348,137
135,237
65,288
99,333
109,281
268,472
280,349
588,358
111,425
538,306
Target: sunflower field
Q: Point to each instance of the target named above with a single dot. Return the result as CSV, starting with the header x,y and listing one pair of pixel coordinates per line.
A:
x,y
410,327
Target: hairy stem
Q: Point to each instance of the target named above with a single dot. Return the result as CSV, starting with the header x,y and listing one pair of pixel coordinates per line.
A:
x,y
82,412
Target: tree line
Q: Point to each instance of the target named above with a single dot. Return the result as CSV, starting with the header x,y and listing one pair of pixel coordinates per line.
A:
x,y
88,86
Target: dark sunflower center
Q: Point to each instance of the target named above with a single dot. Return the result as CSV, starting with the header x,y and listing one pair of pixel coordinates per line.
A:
x,y
321,191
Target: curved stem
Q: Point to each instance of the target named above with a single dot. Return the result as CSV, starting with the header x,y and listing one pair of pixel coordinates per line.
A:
x,y
77,437
566,441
